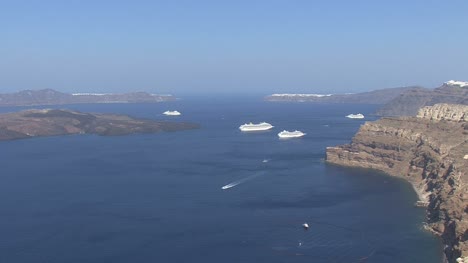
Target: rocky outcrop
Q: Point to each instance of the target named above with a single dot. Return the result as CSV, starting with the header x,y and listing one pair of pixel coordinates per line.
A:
x,y
429,151
53,97
38,123
448,112
409,102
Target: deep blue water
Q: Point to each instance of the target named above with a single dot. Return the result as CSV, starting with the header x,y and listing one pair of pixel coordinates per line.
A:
x,y
158,197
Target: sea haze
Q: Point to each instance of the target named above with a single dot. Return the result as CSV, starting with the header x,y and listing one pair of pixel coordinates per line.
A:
x,y
158,197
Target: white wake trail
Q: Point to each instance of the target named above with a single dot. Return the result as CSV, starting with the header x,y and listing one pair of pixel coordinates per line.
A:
x,y
243,180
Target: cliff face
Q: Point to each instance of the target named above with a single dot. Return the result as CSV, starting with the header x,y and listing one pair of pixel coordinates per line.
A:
x,y
429,151
444,111
409,102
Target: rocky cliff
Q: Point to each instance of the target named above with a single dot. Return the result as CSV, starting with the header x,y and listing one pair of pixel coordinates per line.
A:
x,y
443,111
409,102
430,152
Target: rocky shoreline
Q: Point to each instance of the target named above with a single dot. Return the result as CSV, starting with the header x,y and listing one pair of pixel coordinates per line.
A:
x,y
427,150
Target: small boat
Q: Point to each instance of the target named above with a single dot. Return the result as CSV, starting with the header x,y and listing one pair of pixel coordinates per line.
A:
x,y
355,116
293,134
171,113
305,226
227,186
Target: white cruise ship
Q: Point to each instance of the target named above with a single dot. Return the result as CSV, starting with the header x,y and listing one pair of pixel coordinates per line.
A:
x,y
293,134
355,116
263,126
171,113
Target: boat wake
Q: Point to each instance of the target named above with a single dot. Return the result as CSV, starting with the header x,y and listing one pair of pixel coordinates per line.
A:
x,y
243,180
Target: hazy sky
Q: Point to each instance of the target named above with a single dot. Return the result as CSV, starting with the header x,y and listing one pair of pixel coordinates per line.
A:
x,y
231,46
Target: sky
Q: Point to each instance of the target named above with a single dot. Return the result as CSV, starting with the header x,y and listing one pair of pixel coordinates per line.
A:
x,y
251,46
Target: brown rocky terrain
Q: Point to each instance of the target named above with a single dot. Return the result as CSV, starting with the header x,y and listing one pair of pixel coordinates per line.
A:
x,y
431,152
53,97
37,123
409,102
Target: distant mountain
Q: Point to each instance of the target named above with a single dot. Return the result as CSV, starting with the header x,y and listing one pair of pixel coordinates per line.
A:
x,y
408,103
53,97
381,96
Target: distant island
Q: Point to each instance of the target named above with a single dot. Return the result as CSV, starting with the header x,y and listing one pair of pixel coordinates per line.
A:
x,y
53,97
381,96
51,122
404,101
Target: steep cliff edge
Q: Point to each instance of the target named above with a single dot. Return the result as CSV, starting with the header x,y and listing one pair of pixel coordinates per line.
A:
x,y
409,102
429,151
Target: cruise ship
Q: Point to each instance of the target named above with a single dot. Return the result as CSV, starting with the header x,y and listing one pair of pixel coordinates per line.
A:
x,y
263,126
171,113
355,116
293,134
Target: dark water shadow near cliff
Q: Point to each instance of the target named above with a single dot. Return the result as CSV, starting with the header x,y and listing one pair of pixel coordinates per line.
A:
x,y
405,220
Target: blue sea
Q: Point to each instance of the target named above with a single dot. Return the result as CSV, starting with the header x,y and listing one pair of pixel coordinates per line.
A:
x,y
159,197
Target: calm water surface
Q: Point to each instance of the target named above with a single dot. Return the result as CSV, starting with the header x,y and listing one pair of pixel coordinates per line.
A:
x,y
158,198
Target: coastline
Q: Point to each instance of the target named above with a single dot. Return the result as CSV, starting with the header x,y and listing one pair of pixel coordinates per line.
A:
x,y
428,152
